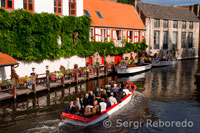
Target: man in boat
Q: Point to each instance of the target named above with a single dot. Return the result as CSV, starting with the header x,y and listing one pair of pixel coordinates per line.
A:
x,y
112,99
70,107
96,108
103,105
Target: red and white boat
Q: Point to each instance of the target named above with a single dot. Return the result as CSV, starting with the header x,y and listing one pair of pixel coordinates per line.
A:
x,y
82,121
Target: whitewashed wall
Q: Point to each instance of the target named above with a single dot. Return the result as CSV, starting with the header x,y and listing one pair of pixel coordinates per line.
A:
x,y
48,6
25,68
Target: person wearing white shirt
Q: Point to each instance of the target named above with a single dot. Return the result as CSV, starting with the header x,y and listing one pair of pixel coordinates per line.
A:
x,y
103,105
112,99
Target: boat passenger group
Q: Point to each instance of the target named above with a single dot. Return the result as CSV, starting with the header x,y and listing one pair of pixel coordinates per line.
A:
x,y
98,101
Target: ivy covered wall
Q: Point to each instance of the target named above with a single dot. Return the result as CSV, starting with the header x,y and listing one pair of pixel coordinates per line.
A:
x,y
34,37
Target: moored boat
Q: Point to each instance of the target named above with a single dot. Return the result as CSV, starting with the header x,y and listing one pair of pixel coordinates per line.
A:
x,y
82,121
131,69
163,63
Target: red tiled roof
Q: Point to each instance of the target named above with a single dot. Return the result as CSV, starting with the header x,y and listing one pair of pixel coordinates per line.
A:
x,y
114,14
6,60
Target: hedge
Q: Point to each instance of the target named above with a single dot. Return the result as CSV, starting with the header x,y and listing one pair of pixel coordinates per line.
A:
x,y
34,37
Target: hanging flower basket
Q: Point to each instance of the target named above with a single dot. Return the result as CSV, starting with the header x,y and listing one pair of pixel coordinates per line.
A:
x,y
109,67
53,77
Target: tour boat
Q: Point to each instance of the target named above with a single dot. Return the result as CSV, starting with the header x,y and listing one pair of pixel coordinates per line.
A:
x,y
163,63
130,69
82,121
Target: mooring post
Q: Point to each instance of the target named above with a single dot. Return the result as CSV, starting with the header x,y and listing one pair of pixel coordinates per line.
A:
x,y
76,77
14,89
47,79
34,83
62,80
88,75
36,79
98,71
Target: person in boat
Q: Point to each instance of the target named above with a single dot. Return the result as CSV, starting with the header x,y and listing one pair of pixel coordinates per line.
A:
x,y
70,107
104,94
118,96
108,104
108,90
123,94
90,98
77,103
112,99
103,105
82,105
86,100
96,91
96,108
88,112
126,90
76,110
98,97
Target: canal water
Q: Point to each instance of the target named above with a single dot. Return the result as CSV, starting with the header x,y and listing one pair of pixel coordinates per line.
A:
x,y
166,95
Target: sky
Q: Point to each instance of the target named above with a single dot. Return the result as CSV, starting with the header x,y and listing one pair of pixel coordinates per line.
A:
x,y
173,2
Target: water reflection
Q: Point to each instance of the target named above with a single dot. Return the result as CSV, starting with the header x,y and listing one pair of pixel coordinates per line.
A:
x,y
166,93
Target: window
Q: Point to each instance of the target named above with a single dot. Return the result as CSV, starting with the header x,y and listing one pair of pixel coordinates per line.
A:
x,y
58,7
119,34
165,23
72,7
131,36
87,13
175,25
99,14
28,5
183,39
7,4
156,23
156,39
103,35
184,25
92,34
190,40
191,25
174,39
165,40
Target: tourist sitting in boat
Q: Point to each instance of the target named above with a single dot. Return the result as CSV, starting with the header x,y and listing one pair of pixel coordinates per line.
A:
x,y
77,103
90,97
103,105
112,99
108,104
86,100
118,96
70,107
96,108
126,90
123,94
104,94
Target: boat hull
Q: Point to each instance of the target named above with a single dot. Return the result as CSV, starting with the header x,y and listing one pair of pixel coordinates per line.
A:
x,y
132,70
81,121
163,63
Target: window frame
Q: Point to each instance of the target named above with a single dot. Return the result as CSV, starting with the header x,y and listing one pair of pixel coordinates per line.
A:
x,y
184,25
183,40
165,23
190,45
33,3
6,5
71,2
57,13
157,46
191,25
165,45
174,36
156,23
175,26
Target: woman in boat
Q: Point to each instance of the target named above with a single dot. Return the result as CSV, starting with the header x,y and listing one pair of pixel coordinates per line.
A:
x,y
77,103
103,105
96,108
98,97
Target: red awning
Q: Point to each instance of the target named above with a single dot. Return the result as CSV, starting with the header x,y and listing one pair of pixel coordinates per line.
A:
x,y
6,60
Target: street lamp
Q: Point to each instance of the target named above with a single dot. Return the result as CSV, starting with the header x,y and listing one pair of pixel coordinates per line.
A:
x,y
47,67
33,69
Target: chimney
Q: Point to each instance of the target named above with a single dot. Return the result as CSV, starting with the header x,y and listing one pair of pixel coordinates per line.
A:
x,y
134,3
